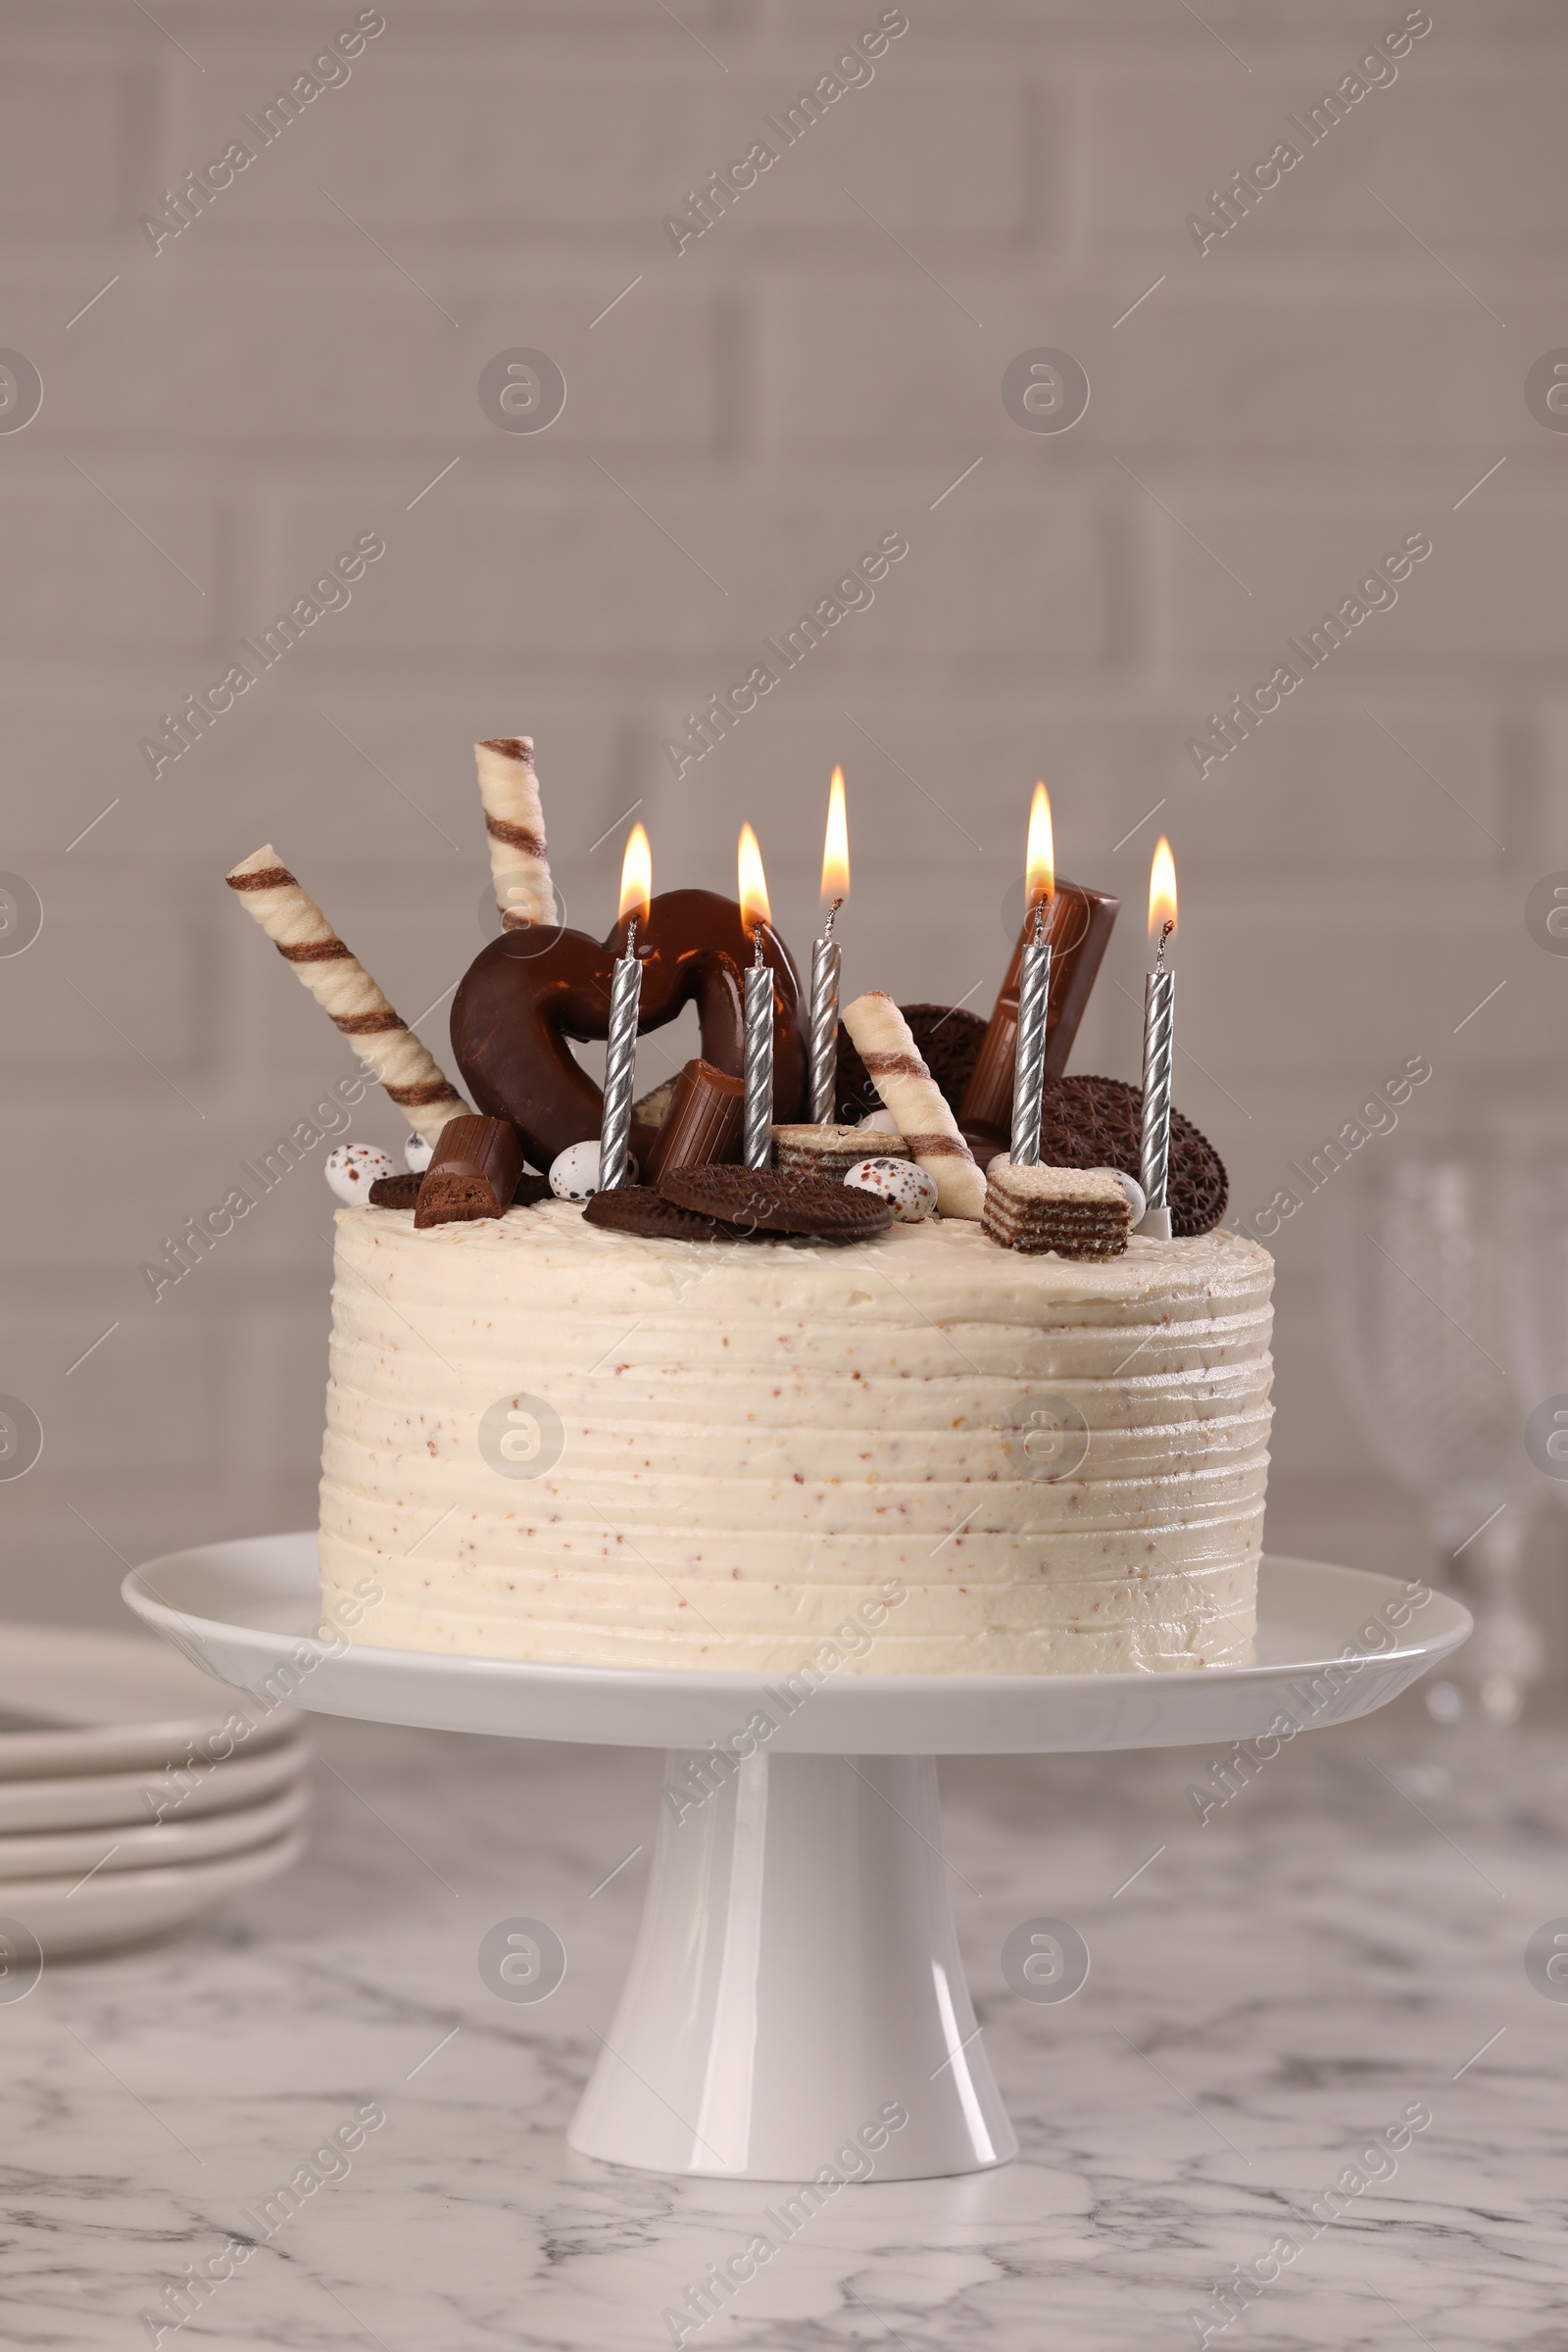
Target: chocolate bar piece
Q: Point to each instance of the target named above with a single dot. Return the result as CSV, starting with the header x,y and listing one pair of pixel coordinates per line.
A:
x,y
472,1173
702,1124
1078,924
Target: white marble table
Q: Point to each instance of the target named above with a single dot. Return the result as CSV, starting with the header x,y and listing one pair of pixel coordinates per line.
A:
x,y
1267,1993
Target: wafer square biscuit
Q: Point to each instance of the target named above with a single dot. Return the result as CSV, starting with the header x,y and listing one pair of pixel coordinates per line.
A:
x,y
1075,1212
830,1151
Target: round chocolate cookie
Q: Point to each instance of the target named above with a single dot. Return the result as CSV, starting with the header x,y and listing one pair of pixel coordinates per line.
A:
x,y
640,1208
1096,1123
776,1200
946,1037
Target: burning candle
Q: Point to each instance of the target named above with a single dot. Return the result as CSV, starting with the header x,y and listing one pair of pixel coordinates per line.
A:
x,y
1160,1043
1034,989
757,1125
625,993
826,960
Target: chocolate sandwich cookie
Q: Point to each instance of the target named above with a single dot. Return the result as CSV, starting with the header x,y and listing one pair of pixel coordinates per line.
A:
x,y
643,1210
775,1201
1096,1123
396,1192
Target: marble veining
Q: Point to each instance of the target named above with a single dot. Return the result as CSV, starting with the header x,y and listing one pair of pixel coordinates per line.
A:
x,y
1269,1990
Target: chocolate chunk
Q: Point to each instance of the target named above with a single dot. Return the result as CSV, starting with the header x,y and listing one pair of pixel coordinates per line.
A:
x,y
642,1209
396,1192
1078,924
702,1123
531,1188
473,1172
770,1200
1097,1123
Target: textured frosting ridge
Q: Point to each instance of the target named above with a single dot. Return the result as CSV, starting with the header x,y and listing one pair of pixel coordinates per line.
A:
x,y
1046,1466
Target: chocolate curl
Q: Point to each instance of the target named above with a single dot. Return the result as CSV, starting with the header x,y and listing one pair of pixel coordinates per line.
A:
x,y
515,820
882,1038
702,1123
1078,924
473,1172
346,992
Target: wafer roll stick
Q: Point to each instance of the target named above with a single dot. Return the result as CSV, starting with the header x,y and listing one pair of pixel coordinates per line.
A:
x,y
881,1037
346,992
515,820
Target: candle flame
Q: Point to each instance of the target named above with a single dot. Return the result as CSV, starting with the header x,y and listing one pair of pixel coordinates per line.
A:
x,y
1040,872
836,846
637,876
754,882
1161,890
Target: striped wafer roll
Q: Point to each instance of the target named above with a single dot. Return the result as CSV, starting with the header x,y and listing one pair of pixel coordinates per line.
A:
x,y
346,992
519,861
881,1037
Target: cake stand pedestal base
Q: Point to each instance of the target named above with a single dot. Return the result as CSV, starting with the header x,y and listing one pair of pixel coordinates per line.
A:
x,y
797,1986
796,1990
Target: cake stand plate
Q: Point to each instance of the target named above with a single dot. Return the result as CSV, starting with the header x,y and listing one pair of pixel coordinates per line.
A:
x,y
797,1987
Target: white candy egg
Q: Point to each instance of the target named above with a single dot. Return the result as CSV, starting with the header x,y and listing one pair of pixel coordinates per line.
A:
x,y
878,1122
574,1172
353,1168
907,1189
1136,1200
417,1153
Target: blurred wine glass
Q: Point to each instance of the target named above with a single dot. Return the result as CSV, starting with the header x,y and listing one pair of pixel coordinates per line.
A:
x,y
1426,1335
1537,1308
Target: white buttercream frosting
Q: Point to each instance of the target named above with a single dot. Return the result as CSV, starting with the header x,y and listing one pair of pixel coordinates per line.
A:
x,y
549,1441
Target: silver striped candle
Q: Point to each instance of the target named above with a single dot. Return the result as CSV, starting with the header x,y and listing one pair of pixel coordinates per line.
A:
x,y
620,1065
1160,1045
1029,1047
758,1128
826,962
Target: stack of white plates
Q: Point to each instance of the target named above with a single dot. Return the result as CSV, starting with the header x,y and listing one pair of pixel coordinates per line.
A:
x,y
134,1791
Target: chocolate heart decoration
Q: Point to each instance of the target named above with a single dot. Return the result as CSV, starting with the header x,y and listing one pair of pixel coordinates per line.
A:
x,y
519,1003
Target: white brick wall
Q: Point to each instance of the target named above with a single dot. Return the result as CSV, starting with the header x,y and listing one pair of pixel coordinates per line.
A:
x,y
814,372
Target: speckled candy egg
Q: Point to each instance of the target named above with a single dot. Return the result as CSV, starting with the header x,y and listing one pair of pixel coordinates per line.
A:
x,y
417,1153
907,1189
574,1172
353,1168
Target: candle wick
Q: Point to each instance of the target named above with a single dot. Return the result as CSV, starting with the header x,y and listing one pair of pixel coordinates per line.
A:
x,y
1159,952
631,935
758,957
827,927
1040,921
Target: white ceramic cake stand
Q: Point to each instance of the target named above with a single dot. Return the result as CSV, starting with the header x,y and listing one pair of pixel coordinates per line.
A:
x,y
796,1969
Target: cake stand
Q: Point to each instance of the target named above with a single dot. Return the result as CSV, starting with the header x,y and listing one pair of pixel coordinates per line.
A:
x,y
797,1982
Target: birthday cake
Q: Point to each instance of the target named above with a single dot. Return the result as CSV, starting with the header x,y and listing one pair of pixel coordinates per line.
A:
x,y
548,1440
701,1400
